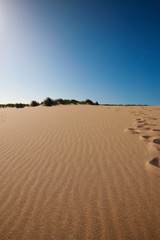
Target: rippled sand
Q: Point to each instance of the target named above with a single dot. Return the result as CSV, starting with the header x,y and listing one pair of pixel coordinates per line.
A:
x,y
80,172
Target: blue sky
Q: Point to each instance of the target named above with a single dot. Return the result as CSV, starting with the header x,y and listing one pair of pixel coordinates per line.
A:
x,y
108,51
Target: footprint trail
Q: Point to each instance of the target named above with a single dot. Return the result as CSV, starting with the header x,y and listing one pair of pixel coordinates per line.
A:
x,y
145,126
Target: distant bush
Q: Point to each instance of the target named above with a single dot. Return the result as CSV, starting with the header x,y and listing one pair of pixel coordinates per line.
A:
x,y
54,102
34,103
88,101
10,105
60,101
48,102
20,105
73,101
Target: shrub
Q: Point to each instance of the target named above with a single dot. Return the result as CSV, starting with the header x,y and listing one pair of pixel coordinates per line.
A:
x,y
34,103
48,102
60,101
73,101
20,105
10,105
88,101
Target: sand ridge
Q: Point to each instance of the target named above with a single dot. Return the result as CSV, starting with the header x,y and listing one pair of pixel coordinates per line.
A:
x,y
72,172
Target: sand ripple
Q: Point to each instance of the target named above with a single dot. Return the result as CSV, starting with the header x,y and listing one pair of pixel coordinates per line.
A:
x,y
71,172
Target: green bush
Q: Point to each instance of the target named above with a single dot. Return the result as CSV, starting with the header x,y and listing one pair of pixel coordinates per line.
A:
x,y
20,105
48,102
34,103
88,101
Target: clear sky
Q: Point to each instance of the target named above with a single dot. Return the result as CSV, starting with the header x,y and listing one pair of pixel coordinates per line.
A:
x,y
108,51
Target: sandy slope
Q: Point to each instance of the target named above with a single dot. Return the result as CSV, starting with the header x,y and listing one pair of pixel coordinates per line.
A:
x,y
80,172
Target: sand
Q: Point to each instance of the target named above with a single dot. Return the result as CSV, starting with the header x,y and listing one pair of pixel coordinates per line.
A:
x,y
80,172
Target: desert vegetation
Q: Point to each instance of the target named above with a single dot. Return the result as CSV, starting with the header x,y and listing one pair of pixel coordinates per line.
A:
x,y
53,102
34,103
49,102
14,105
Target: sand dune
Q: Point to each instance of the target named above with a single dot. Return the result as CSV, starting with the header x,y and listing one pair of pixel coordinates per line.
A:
x,y
80,172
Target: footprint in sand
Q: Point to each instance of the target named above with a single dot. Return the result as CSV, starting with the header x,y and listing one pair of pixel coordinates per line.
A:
x,y
156,130
146,137
153,166
153,118
141,121
156,140
140,126
132,130
135,132
147,128
153,148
